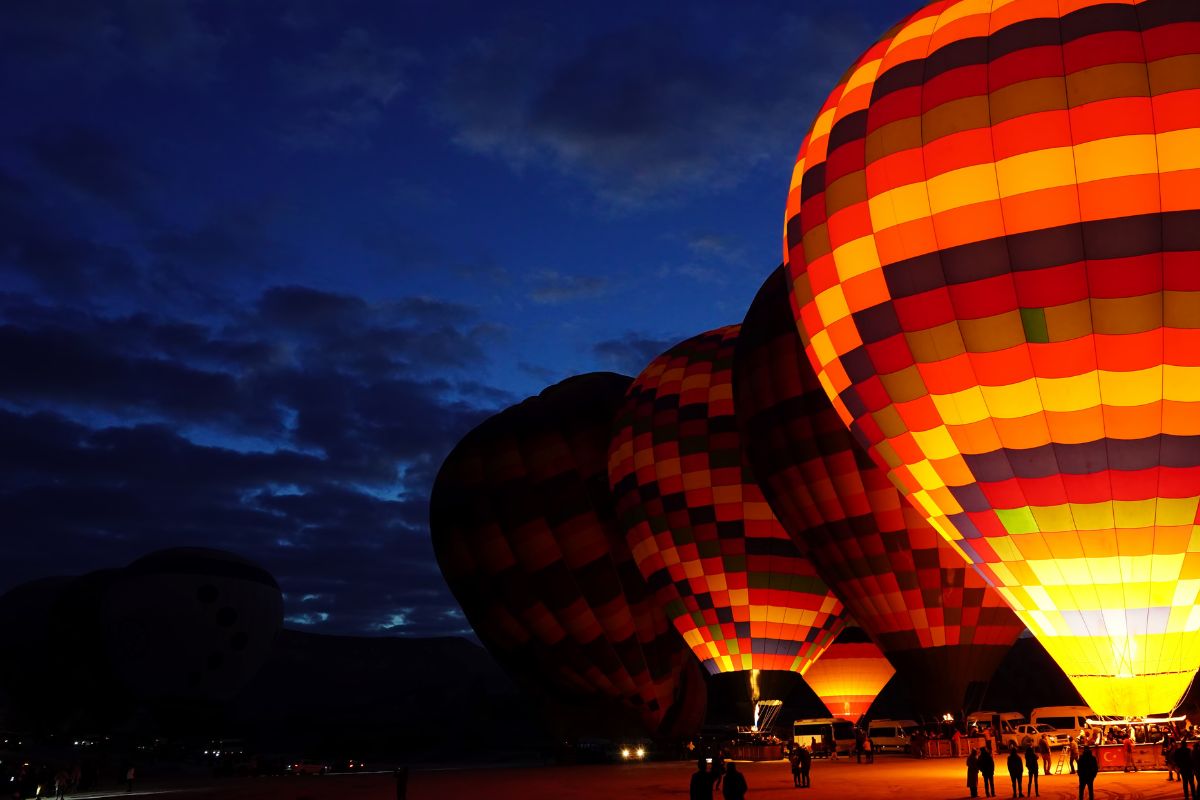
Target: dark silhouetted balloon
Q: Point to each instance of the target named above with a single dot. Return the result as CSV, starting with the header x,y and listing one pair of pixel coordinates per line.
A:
x,y
525,534
189,623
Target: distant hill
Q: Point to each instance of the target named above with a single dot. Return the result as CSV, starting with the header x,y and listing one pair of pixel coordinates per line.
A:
x,y
381,695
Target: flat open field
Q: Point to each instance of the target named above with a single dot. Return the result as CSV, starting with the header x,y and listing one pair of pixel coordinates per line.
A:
x,y
889,777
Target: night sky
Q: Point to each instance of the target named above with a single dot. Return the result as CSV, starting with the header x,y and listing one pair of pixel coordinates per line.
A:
x,y
263,263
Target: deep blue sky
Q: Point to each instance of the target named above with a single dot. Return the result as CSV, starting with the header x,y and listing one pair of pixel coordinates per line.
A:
x,y
262,263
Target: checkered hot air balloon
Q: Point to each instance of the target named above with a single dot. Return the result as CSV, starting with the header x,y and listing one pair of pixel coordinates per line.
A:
x,y
525,534
699,529
937,620
992,235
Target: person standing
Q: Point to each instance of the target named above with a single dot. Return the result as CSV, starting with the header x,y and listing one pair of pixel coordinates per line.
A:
x,y
795,762
1129,762
869,749
1031,766
973,773
1088,769
735,784
805,767
701,787
1072,753
1184,766
987,768
718,768
1015,768
401,776
130,774
1044,752
1168,755
858,744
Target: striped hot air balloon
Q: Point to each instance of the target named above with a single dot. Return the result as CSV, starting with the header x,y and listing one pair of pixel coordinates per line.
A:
x,y
698,526
992,235
525,533
937,620
850,674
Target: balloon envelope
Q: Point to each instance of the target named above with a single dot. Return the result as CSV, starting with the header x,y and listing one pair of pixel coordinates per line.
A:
x,y
189,623
850,674
525,534
992,236
937,620
699,528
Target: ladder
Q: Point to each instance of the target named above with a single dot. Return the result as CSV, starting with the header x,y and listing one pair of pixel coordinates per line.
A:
x,y
1060,763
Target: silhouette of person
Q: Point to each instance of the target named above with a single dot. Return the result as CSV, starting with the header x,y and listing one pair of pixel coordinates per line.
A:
x,y
735,784
1088,769
973,773
1184,766
805,767
987,768
869,748
795,762
718,769
401,775
701,787
1015,768
1031,766
130,774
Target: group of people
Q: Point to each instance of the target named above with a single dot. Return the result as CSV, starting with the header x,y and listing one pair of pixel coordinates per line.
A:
x,y
1028,766
801,762
723,777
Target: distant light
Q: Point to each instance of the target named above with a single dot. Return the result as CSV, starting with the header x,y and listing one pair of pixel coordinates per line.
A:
x,y
625,753
641,753
947,717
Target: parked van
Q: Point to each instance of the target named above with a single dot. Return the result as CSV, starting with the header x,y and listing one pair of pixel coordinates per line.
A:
x,y
838,730
1063,720
891,734
1007,720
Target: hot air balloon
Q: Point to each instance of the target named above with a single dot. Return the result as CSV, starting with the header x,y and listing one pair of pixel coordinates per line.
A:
x,y
991,235
850,674
699,529
937,620
191,624
525,534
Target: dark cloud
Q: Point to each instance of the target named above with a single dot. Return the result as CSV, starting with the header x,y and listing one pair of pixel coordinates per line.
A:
x,y
343,91
160,42
657,108
551,287
62,261
629,354
90,161
303,431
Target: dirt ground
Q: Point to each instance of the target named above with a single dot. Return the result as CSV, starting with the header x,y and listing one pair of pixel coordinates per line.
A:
x,y
889,777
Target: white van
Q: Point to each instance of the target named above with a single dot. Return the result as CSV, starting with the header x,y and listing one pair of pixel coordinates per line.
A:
x,y
891,734
983,720
1064,721
836,729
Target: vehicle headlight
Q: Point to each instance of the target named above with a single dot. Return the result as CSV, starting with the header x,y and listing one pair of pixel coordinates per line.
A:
x,y
625,753
641,753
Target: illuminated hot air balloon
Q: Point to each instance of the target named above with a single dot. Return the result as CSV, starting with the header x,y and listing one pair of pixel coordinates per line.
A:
x,y
850,674
525,534
992,235
937,620
700,531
